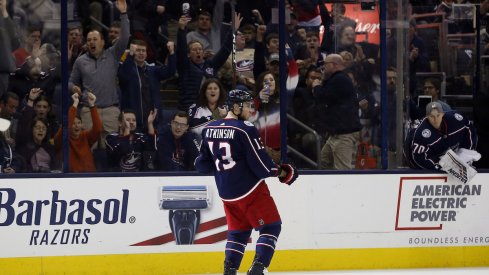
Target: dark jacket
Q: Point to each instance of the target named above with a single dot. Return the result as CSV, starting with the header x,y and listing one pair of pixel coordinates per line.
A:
x,y
191,74
176,155
130,83
337,105
30,148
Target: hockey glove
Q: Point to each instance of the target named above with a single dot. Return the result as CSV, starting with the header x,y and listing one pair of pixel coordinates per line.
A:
x,y
290,173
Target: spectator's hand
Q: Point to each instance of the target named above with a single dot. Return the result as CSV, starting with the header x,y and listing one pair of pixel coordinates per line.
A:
x,y
152,116
208,54
413,55
260,32
34,93
76,90
264,95
160,9
256,13
70,49
300,63
183,21
91,99
76,99
223,111
36,48
3,7
237,20
170,45
10,140
316,82
132,48
363,104
9,170
121,6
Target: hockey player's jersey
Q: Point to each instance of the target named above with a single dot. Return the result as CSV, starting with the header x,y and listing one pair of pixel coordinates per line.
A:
x,y
232,149
427,144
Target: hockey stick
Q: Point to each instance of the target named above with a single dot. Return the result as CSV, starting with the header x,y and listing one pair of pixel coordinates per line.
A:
x,y
233,53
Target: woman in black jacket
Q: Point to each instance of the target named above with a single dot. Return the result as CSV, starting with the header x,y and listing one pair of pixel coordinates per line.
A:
x,y
39,155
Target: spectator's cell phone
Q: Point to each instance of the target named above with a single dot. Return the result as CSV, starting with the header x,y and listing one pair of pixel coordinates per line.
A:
x,y
186,9
423,100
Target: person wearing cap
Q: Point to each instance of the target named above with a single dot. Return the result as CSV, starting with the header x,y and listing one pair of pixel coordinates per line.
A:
x,y
438,132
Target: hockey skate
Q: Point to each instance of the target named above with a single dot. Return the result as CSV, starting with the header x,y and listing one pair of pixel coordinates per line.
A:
x,y
228,270
257,268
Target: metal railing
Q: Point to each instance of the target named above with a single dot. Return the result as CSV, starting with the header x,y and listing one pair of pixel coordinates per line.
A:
x,y
314,164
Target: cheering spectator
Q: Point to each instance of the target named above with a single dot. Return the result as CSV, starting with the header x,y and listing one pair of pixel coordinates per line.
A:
x,y
128,150
38,153
140,81
209,106
177,148
32,43
96,72
191,65
30,76
36,106
80,154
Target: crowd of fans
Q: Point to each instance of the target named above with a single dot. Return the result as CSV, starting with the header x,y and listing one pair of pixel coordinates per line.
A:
x,y
122,53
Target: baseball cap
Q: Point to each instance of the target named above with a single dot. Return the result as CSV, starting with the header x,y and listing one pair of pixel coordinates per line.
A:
x,y
274,57
433,106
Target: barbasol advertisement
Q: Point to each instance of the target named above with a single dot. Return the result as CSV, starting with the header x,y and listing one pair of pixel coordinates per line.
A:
x,y
131,215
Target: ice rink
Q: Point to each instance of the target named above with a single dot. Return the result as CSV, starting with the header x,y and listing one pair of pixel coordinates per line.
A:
x,y
431,271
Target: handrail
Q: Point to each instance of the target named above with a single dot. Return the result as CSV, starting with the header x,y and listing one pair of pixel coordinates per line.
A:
x,y
111,15
315,164
99,23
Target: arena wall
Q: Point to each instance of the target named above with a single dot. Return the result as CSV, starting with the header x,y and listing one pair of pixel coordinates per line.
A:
x,y
115,225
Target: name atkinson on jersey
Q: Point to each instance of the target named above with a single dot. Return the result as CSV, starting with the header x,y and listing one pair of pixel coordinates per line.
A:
x,y
220,133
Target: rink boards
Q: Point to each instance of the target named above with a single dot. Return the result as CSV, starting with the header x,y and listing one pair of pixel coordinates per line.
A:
x,y
115,225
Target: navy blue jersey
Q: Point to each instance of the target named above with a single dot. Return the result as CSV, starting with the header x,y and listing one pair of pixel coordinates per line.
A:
x,y
232,149
428,144
127,152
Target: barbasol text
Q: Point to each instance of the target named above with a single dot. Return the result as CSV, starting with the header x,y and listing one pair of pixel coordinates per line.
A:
x,y
74,212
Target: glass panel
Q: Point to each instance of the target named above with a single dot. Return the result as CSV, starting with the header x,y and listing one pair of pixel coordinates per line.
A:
x,y
31,94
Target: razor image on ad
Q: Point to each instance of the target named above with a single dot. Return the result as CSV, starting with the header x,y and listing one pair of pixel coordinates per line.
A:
x,y
184,204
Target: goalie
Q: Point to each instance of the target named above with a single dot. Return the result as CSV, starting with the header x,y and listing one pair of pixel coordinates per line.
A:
x,y
438,134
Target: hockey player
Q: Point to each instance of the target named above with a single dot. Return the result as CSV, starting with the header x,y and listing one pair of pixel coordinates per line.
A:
x,y
437,133
232,149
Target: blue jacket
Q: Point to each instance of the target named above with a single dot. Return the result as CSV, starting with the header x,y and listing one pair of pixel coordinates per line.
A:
x,y
176,155
130,84
191,74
